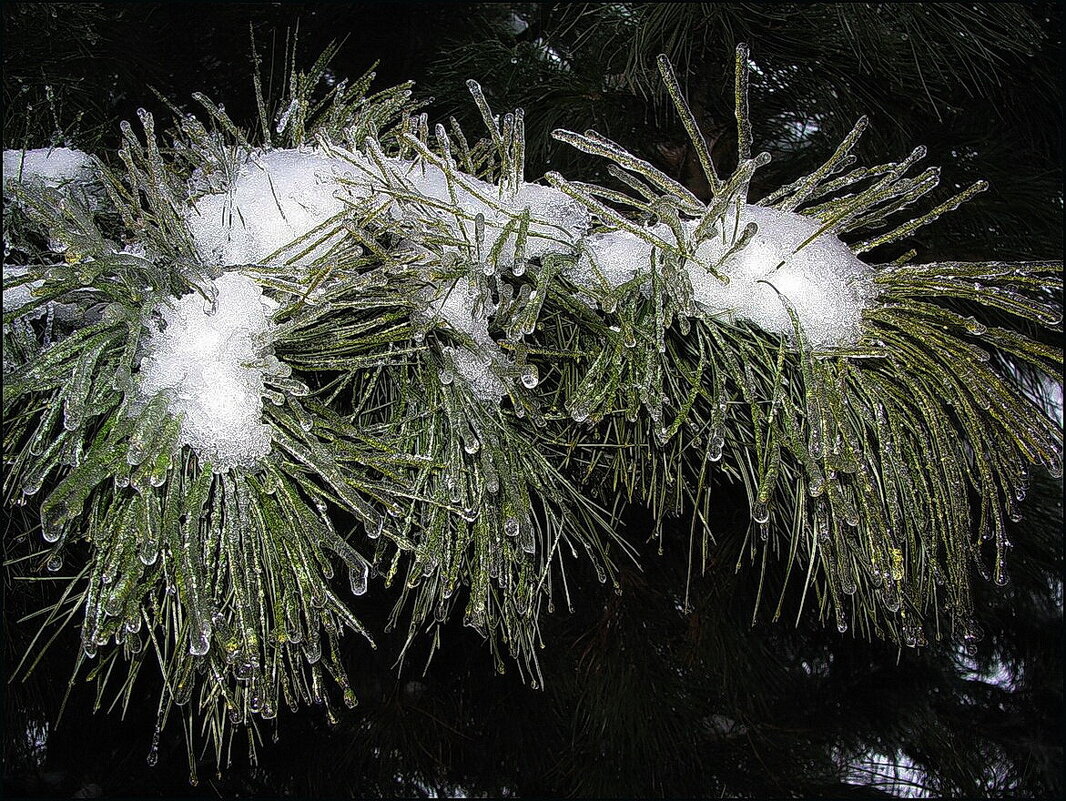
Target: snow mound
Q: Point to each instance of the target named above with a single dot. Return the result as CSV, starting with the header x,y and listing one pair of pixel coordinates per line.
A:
x,y
475,368
459,304
557,221
15,297
214,366
826,284
823,281
615,257
50,166
279,196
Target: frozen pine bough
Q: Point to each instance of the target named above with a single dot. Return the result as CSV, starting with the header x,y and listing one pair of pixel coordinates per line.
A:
x,y
348,339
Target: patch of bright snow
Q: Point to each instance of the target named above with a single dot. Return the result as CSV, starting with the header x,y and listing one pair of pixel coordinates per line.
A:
x,y
557,221
458,303
278,197
50,166
15,297
214,367
826,284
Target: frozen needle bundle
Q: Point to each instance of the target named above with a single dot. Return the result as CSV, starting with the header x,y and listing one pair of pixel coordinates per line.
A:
x,y
241,362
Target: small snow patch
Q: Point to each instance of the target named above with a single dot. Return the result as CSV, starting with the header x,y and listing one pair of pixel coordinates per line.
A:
x,y
475,368
214,367
50,166
557,221
614,258
826,284
278,197
19,295
460,305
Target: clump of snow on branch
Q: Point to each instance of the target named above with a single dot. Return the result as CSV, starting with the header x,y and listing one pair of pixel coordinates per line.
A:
x,y
72,172
288,206
467,311
786,260
462,307
50,166
19,289
556,223
281,196
213,367
278,197
17,295
611,259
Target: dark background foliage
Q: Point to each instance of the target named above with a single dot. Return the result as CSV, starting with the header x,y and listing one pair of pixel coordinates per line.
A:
x,y
642,697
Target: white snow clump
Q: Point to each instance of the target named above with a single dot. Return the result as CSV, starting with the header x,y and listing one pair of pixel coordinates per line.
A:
x,y
213,367
15,297
557,221
826,284
281,195
20,295
50,166
614,258
460,305
278,197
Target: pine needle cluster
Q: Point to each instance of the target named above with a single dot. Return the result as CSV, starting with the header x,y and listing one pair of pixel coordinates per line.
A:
x,y
881,471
